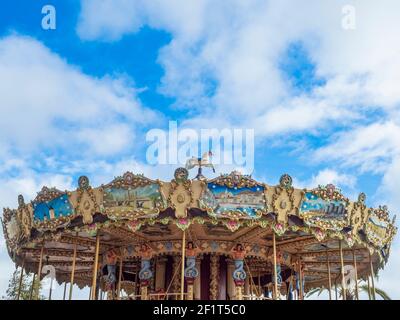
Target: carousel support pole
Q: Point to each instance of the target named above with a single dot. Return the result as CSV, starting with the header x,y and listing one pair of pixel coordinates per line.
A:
x,y
335,289
65,289
190,291
259,283
251,287
301,281
71,286
355,273
51,281
40,269
32,286
21,278
239,292
143,292
135,287
329,275
120,276
276,294
372,276
51,288
183,265
95,267
342,270
90,292
369,288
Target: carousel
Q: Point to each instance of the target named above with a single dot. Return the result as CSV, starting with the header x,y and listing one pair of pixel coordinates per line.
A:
x,y
227,238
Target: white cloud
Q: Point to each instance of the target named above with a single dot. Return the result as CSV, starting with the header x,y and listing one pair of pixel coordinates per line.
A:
x,y
329,176
224,57
44,102
370,147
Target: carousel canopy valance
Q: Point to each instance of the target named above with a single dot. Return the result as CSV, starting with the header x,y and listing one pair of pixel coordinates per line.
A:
x,y
220,212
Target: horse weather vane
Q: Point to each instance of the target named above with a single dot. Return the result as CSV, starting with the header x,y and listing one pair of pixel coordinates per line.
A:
x,y
204,161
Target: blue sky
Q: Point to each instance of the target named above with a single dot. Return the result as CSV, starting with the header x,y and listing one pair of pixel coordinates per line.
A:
x,y
322,99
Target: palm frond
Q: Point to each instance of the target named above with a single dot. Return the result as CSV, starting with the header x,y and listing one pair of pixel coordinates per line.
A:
x,y
378,291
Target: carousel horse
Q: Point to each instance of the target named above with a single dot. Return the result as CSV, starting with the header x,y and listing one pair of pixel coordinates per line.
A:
x,y
204,161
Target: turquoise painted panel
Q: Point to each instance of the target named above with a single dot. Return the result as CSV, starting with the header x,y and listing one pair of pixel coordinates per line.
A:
x,y
60,206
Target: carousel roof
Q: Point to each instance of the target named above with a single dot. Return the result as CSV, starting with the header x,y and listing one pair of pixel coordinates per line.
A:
x,y
216,214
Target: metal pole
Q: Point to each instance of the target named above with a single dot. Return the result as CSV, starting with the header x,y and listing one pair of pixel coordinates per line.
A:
x,y
51,288
32,287
372,277
96,262
369,288
65,289
335,289
40,270
183,265
51,281
21,278
275,270
136,278
342,270
120,275
355,273
329,275
71,286
301,281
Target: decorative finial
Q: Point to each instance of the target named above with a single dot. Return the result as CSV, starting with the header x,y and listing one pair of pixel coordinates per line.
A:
x,y
181,175
83,182
285,181
21,201
361,198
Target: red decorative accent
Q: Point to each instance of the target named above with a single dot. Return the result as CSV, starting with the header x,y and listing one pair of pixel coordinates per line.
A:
x,y
239,282
144,283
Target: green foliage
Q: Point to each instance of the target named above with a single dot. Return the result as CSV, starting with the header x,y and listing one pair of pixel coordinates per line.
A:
x,y
351,294
26,292
378,291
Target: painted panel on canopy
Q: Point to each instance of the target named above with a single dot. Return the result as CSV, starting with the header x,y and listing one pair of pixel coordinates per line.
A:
x,y
376,230
143,198
332,244
247,202
55,208
325,213
12,227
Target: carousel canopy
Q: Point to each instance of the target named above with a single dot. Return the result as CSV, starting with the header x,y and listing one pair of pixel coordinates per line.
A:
x,y
216,214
